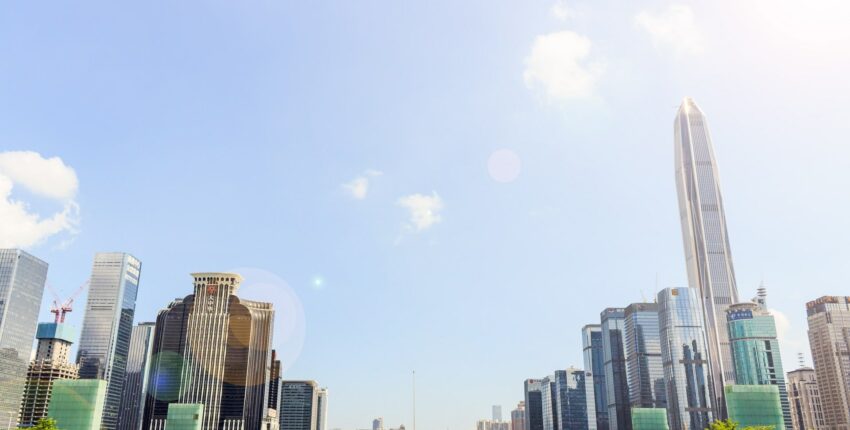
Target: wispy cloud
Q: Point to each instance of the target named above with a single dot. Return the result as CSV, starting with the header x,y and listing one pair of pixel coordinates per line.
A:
x,y
358,187
49,178
424,210
559,67
562,11
674,28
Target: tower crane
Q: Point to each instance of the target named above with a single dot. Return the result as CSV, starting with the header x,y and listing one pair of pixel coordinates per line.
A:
x,y
59,310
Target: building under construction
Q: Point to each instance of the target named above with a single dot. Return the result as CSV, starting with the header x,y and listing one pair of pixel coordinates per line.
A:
x,y
50,364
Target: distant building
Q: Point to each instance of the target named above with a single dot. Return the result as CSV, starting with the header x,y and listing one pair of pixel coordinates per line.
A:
x,y
684,354
136,382
534,403
299,405
107,325
22,278
829,324
492,425
549,403
50,364
644,370
77,404
322,409
755,350
378,424
594,362
497,413
754,405
804,398
613,349
651,419
275,379
575,400
518,417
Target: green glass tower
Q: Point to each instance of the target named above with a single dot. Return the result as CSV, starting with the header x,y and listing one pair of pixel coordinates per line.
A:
x,y
754,405
649,419
755,351
184,416
77,404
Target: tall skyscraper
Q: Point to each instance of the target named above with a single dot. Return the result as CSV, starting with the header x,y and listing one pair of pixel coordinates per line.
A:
x,y
299,405
613,352
212,348
683,352
322,409
107,326
534,403
594,362
755,351
497,413
829,338
576,403
136,382
22,278
644,370
706,240
275,379
549,402
50,364
518,417
804,398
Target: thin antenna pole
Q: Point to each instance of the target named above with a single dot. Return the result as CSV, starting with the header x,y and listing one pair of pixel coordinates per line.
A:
x,y
414,400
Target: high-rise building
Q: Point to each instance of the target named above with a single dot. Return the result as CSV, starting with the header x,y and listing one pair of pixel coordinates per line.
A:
x,y
22,278
136,382
829,338
549,401
613,352
706,240
77,404
50,364
644,370
275,378
322,409
378,424
534,403
518,417
107,326
497,413
755,350
684,353
212,348
754,406
594,362
804,398
299,405
575,400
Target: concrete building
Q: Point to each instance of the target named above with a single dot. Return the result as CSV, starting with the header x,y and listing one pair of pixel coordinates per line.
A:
x,y
594,362
107,326
22,278
322,409
804,398
613,350
51,363
497,413
136,380
77,404
644,370
829,336
299,405
518,417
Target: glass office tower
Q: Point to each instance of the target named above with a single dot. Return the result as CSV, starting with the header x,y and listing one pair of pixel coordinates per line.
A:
x,y
136,382
22,278
533,404
755,349
613,352
644,371
575,399
755,406
299,405
684,354
594,362
107,326
549,402
706,241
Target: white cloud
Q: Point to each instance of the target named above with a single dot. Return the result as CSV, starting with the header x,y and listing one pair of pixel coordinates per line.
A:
x,y
562,11
44,177
358,187
424,210
792,340
674,28
558,66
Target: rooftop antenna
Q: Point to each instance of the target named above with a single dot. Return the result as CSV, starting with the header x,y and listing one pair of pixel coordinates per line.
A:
x,y
414,400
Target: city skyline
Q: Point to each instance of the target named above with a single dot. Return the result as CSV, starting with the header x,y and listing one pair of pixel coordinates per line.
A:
x,y
402,183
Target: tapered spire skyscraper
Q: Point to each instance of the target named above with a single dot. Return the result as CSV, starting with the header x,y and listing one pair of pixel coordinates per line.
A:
x,y
709,259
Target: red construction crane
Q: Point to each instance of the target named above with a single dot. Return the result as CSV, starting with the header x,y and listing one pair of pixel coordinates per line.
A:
x,y
66,306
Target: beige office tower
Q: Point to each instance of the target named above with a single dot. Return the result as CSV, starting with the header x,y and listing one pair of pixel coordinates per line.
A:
x,y
803,395
50,364
829,336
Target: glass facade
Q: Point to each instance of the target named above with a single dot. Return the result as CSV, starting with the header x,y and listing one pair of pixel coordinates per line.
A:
x,y
322,409
575,400
754,405
684,356
185,416
613,353
533,404
649,419
107,326
136,381
706,241
549,398
77,404
299,405
644,371
755,350
594,362
22,278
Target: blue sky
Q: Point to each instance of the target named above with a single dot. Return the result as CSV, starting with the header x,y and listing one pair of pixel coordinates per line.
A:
x,y
205,136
